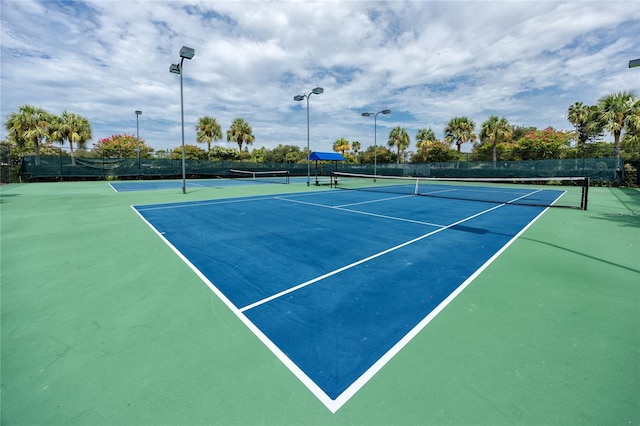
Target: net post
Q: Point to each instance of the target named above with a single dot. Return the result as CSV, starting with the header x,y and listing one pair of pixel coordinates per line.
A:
x,y
585,193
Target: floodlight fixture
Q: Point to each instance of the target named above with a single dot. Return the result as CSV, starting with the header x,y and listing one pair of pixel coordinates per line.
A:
x,y
316,91
375,137
634,63
187,52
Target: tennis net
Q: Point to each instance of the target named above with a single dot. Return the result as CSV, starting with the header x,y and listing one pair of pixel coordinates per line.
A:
x,y
569,192
267,176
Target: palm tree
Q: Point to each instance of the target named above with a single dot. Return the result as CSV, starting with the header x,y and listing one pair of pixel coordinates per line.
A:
x,y
240,132
355,146
341,145
55,130
578,115
459,130
72,128
29,124
632,134
494,131
399,138
614,112
424,138
584,119
207,130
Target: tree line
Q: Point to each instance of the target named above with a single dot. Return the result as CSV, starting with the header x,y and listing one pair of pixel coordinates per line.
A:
x,y
30,125
32,129
497,139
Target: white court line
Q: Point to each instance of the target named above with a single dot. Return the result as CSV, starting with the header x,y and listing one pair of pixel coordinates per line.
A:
x,y
366,259
399,219
185,204
376,201
292,366
382,361
524,196
438,192
242,199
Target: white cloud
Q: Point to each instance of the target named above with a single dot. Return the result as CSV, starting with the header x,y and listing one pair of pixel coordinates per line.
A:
x,y
426,61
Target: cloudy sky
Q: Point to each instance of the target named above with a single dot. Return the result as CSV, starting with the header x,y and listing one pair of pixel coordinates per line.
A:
x,y
427,61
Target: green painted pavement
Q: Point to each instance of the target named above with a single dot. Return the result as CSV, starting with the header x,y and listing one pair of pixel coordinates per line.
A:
x,y
103,324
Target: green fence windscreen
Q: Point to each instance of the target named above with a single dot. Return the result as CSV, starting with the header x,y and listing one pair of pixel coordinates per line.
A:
x,y
61,167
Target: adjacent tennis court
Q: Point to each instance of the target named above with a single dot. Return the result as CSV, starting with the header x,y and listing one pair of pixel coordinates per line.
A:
x,y
236,178
336,283
327,305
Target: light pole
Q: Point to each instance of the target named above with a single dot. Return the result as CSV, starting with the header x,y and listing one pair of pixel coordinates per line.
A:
x,y
375,136
185,53
138,112
316,91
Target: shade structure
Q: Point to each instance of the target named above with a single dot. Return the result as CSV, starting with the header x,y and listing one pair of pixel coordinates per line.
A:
x,y
326,156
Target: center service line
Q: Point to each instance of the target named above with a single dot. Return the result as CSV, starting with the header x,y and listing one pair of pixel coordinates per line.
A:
x,y
361,261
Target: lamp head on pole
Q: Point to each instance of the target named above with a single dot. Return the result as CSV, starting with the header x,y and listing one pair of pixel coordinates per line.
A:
x,y
366,114
138,112
317,90
174,69
187,52
298,97
386,111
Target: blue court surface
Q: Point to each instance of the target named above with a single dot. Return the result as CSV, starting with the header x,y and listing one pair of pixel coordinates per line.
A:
x,y
335,283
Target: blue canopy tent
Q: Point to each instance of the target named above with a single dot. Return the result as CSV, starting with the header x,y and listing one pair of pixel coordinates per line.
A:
x,y
325,156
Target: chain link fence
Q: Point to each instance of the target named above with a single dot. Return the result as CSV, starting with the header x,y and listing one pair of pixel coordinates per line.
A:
x,y
601,171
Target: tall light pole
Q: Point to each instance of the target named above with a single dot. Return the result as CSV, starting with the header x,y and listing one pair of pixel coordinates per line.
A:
x,y
375,136
185,53
316,91
138,112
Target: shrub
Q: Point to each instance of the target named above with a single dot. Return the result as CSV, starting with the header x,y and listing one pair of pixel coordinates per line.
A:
x,y
630,178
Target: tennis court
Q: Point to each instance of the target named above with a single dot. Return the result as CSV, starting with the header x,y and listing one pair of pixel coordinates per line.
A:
x,y
336,283
239,177
341,289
